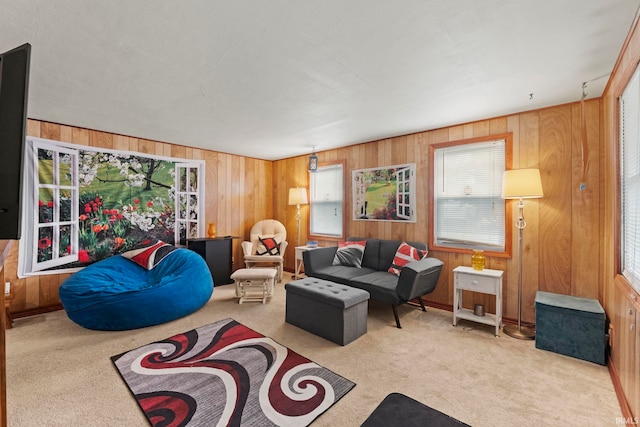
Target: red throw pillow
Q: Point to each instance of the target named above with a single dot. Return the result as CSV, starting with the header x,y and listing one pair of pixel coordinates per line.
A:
x,y
148,255
404,255
268,246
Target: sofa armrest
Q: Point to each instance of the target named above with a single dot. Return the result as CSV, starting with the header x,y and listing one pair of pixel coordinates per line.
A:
x,y
419,278
318,258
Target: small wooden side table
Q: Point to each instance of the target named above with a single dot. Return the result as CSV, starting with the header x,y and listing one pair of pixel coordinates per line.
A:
x,y
484,281
299,262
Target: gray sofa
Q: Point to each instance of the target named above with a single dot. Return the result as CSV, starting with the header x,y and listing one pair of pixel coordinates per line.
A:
x,y
416,279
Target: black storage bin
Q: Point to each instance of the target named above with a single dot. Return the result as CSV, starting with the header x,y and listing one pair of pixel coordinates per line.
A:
x,y
573,326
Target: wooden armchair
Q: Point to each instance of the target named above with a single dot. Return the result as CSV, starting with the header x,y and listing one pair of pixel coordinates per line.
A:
x,y
261,250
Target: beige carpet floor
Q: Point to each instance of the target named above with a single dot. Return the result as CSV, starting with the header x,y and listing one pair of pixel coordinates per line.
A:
x,y
60,374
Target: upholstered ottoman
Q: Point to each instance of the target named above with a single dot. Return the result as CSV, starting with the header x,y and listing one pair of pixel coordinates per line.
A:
x,y
572,326
254,284
330,310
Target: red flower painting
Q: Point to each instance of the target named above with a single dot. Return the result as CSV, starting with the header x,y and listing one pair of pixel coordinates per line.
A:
x,y
44,243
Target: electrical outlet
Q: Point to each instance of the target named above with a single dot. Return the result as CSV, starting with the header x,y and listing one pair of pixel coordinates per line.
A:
x,y
7,287
610,335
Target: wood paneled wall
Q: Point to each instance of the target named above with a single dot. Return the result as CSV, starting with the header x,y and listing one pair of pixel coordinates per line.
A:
x,y
620,300
239,192
562,240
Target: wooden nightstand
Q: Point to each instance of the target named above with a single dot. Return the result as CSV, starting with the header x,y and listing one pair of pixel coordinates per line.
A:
x,y
484,281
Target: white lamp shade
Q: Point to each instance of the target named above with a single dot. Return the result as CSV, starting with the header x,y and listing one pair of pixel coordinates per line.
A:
x,y
521,184
298,196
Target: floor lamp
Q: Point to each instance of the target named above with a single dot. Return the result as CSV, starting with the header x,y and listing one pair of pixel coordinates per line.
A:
x,y
298,196
521,184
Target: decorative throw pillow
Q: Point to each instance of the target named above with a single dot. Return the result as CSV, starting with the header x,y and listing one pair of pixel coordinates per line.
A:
x,y
404,255
148,255
268,246
350,254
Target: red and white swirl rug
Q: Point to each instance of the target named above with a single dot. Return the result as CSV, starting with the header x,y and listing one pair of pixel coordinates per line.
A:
x,y
227,374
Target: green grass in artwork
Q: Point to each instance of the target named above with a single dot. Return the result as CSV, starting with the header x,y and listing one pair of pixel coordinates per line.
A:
x,y
377,195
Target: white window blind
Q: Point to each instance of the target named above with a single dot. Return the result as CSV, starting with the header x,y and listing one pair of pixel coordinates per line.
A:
x,y
630,180
326,200
469,211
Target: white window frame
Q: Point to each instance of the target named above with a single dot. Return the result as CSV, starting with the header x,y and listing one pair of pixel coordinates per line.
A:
x,y
190,219
629,196
327,203
461,213
404,192
56,187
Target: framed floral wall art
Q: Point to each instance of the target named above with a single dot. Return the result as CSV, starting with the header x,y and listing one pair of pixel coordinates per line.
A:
x,y
384,194
83,204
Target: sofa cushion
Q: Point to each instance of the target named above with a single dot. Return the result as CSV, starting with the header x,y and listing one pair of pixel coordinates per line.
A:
x,y
340,273
350,253
371,256
381,286
404,255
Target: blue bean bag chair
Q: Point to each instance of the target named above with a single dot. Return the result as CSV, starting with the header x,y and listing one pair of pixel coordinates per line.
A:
x,y
138,289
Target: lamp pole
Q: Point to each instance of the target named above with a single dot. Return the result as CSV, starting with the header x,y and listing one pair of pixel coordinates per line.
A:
x,y
519,331
298,221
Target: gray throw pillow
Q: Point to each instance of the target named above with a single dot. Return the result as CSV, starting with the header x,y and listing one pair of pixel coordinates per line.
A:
x,y
350,254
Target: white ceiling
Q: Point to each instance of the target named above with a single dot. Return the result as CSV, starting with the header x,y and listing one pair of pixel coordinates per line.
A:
x,y
271,79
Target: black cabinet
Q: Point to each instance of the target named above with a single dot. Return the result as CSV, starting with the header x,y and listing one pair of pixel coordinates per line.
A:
x,y
217,252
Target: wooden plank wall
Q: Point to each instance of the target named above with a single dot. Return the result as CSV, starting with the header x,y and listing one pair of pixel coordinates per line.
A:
x,y
620,300
239,192
562,240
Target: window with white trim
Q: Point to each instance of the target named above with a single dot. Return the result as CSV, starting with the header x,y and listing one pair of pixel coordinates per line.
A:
x,y
630,181
467,207
188,209
403,193
56,196
326,198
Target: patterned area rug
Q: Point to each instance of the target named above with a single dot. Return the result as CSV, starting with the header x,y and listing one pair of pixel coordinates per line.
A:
x,y
227,374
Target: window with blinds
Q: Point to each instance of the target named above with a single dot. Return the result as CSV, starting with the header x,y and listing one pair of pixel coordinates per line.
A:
x,y
468,209
326,194
630,181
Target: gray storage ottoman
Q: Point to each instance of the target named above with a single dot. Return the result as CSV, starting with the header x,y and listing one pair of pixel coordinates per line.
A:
x,y
330,310
573,326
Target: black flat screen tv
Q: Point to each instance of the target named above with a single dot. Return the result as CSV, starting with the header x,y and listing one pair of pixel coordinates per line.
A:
x,y
14,88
